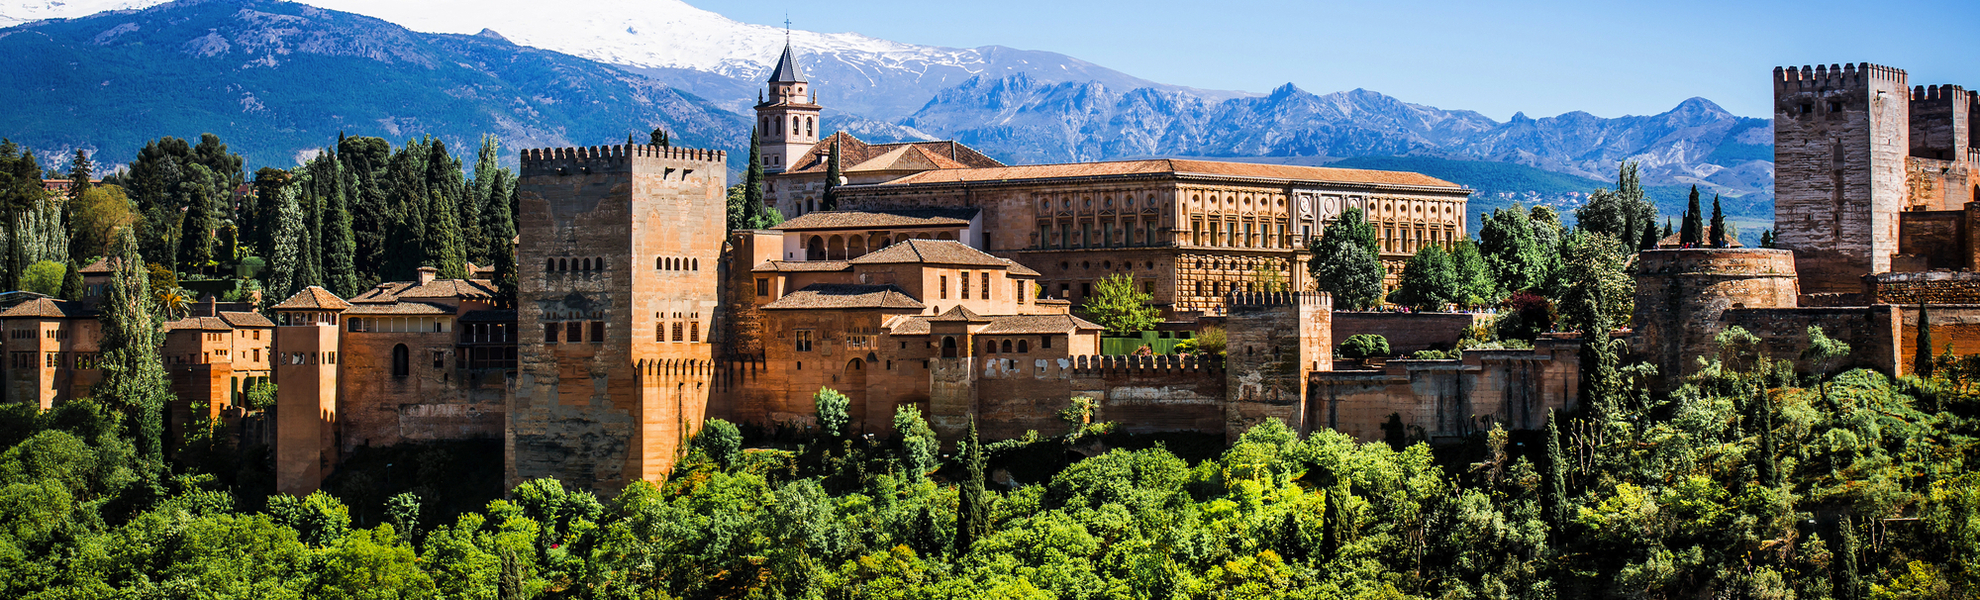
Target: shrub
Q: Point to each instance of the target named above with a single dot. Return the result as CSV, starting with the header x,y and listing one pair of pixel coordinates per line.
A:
x,y
720,440
832,411
1364,346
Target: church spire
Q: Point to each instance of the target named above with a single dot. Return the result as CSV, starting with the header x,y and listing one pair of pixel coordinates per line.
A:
x,y
787,70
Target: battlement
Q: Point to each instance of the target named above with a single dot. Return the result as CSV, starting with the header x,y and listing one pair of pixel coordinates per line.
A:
x,y
1940,94
1320,300
1833,77
1736,262
1133,365
610,159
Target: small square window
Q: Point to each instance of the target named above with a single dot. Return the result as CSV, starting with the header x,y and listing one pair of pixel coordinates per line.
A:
x,y
597,332
762,287
549,333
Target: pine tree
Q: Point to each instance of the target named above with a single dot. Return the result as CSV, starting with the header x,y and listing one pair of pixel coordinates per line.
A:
x,y
973,512
1921,357
1556,501
832,177
72,283
1693,235
134,377
1718,225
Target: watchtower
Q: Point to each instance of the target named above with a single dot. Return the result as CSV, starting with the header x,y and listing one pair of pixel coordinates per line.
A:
x,y
787,120
306,356
1271,341
617,282
1841,135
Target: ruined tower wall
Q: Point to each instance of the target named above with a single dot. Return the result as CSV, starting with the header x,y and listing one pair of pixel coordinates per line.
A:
x,y
1841,135
1681,295
621,241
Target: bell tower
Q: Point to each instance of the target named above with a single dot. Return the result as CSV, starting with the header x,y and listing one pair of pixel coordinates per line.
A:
x,y
787,119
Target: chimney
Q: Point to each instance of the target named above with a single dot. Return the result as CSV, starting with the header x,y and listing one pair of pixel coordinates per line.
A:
x,y
426,275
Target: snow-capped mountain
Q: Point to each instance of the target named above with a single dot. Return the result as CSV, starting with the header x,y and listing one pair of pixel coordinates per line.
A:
x,y
696,50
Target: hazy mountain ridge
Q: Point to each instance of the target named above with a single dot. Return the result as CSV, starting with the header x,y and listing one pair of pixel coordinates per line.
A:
x,y
1020,119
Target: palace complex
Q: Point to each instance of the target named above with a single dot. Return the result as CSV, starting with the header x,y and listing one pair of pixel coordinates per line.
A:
x,y
938,278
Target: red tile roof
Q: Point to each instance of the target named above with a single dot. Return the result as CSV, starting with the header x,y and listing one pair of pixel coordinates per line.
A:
x,y
878,219
939,252
857,152
846,295
313,298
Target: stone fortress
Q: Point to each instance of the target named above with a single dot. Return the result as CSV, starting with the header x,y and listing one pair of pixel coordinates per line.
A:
x,y
945,280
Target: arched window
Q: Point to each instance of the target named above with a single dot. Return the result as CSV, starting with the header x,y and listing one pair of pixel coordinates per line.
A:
x,y
856,365
695,265
815,250
1024,346
549,264
659,263
948,347
562,265
808,127
598,263
584,264
401,361
989,346
1007,346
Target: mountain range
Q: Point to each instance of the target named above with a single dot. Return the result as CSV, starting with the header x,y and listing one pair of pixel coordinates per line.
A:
x,y
278,79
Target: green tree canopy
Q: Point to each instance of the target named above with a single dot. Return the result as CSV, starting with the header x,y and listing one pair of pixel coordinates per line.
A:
x,y
1517,261
1120,306
1346,264
1429,281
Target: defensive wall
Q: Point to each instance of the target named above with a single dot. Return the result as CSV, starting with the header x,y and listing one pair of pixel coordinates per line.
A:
x,y
1406,332
1445,400
1681,295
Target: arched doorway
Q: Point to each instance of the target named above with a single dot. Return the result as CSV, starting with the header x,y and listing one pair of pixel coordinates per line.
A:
x,y
815,249
401,361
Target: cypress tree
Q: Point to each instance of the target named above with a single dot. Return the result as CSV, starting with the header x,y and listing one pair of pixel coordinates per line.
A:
x,y
196,230
832,177
80,172
1718,225
1921,357
1339,530
72,283
752,197
488,174
972,516
1849,581
443,240
1649,241
1598,356
659,138
339,247
1766,238
287,249
1694,223
134,377
1556,483
502,229
1770,470
1667,229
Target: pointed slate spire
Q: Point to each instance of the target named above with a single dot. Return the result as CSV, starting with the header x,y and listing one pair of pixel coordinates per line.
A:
x,y
787,70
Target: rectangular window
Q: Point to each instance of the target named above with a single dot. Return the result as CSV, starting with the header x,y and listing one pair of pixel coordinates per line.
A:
x,y
1085,290
439,359
694,331
1045,341
943,281
1017,287
549,333
597,332
659,332
574,331
965,285
762,287
677,332
986,285
803,340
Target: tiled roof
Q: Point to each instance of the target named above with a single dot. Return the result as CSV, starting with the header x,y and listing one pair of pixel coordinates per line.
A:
x,y
958,314
801,266
905,158
908,325
393,291
787,68
940,252
853,219
857,152
1174,166
102,265
1018,268
245,319
397,308
30,304
846,295
198,324
1036,324
313,298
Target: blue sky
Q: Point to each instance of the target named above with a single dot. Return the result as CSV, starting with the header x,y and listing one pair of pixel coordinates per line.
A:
x,y
1543,58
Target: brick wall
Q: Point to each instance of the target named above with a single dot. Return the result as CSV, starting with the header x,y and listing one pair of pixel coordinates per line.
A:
x,y
1872,332
1445,400
1935,287
1406,332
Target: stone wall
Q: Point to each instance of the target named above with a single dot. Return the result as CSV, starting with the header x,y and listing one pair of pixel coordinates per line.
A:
x,y
1872,333
1934,287
1406,332
1273,340
600,411
1681,295
434,400
1929,240
1957,325
1841,134
1445,400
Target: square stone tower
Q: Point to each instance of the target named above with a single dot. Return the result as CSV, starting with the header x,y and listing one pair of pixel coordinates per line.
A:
x,y
617,257
1841,135
1272,340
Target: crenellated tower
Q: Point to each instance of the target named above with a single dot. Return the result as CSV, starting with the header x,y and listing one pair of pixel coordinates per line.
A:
x,y
1841,135
617,290
787,119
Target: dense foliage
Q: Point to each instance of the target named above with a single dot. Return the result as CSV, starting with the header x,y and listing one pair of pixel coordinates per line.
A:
x,y
1346,262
